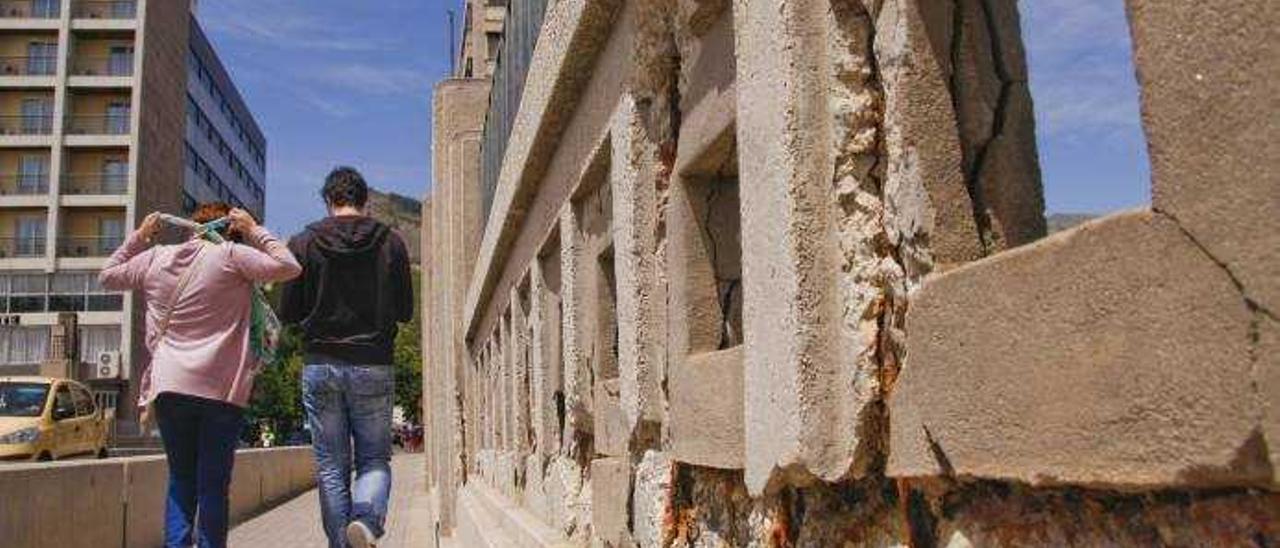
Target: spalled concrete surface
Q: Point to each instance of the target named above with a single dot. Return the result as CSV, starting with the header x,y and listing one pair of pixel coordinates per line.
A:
x,y
1212,66
799,414
717,217
641,289
610,496
706,410
1115,355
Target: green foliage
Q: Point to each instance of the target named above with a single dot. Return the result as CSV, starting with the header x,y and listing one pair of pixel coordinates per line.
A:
x,y
277,391
408,358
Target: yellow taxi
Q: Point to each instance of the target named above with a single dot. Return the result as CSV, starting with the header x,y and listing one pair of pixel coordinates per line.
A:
x,y
43,418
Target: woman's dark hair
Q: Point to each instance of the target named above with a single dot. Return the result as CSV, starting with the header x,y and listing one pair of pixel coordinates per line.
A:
x,y
345,187
212,211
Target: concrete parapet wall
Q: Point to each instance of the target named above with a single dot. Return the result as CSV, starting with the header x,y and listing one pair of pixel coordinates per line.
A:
x,y
120,502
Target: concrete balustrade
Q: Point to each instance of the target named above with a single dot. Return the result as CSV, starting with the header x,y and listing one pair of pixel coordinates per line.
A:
x,y
120,502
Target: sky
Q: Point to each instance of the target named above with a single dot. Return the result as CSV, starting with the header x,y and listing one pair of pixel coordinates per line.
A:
x,y
339,82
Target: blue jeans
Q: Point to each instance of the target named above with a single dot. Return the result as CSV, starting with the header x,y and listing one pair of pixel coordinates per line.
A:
x,y
200,438
350,405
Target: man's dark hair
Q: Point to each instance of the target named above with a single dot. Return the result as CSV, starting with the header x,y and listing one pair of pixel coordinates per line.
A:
x,y
345,187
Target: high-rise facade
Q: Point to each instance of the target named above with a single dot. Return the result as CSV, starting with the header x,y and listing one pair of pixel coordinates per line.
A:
x,y
109,110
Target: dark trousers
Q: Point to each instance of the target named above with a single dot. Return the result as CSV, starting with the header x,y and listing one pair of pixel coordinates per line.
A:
x,y
200,438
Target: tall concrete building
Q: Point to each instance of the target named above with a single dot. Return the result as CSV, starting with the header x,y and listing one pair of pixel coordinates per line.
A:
x,y
108,111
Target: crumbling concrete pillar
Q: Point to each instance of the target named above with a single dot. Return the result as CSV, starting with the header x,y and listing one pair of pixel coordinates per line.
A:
x,y
853,189
577,372
641,289
546,310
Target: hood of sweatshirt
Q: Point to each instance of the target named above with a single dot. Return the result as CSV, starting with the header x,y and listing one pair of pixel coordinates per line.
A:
x,y
343,236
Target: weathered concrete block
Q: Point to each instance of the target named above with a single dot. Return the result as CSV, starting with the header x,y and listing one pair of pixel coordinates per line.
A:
x,y
246,485
577,366
641,295
1112,355
925,190
610,493
612,437
39,498
534,496
146,485
1212,67
568,496
652,499
547,368
706,409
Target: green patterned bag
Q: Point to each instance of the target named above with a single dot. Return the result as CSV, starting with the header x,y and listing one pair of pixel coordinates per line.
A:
x,y
265,326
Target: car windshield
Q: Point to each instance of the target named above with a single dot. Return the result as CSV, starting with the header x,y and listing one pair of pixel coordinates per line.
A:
x,y
22,399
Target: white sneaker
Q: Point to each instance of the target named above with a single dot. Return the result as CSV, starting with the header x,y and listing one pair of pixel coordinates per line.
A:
x,y
360,536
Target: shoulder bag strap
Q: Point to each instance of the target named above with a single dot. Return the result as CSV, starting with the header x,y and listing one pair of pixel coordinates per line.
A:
x,y
162,327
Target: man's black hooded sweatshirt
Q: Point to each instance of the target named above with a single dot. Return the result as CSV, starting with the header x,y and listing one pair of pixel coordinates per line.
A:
x,y
354,290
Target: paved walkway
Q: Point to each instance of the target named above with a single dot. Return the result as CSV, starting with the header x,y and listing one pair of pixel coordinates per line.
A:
x,y
297,523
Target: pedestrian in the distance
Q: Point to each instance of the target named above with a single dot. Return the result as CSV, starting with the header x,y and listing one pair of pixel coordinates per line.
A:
x,y
198,309
354,290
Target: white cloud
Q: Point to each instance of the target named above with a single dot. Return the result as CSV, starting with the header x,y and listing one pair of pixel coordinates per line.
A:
x,y
1082,76
371,79
284,25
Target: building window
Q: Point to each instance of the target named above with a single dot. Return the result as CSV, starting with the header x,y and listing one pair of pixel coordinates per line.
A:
x,y
96,339
37,116
33,174
42,58
118,118
31,236
120,61
23,345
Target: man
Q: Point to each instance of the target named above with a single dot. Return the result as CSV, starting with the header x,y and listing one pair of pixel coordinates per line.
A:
x,y
354,290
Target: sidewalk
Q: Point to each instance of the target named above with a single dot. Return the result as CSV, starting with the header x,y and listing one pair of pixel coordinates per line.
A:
x,y
297,523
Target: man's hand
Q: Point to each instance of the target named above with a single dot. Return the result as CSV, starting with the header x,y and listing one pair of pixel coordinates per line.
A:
x,y
242,221
150,226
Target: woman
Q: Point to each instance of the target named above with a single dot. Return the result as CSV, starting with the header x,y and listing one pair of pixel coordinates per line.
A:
x,y
199,380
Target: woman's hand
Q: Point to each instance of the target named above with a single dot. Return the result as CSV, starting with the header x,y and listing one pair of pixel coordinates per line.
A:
x,y
242,222
150,227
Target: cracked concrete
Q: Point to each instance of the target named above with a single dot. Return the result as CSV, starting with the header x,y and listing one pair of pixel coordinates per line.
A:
x,y
770,274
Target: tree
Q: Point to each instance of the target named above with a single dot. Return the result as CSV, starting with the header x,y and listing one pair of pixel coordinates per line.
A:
x,y
277,390
408,358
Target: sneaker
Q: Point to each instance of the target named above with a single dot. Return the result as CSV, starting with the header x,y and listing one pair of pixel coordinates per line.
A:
x,y
360,536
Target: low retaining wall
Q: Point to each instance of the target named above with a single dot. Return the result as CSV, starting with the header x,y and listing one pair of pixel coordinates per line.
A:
x,y
120,502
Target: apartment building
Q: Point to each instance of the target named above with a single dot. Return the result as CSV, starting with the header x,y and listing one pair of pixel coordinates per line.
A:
x,y
108,110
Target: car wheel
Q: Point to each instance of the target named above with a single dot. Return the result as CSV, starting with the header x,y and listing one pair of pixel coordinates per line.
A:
x,y
45,457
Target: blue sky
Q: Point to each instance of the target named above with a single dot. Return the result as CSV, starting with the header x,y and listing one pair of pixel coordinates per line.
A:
x,y
339,82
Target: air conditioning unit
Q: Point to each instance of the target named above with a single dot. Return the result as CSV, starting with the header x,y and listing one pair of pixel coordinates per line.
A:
x,y
108,365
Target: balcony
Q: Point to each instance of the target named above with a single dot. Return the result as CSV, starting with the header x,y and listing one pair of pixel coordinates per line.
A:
x,y
118,9
30,9
88,246
29,66
21,248
30,124
91,184
112,66
24,184
109,124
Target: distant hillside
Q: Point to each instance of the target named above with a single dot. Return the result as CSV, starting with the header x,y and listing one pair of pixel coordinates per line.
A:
x,y
403,214
1062,221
